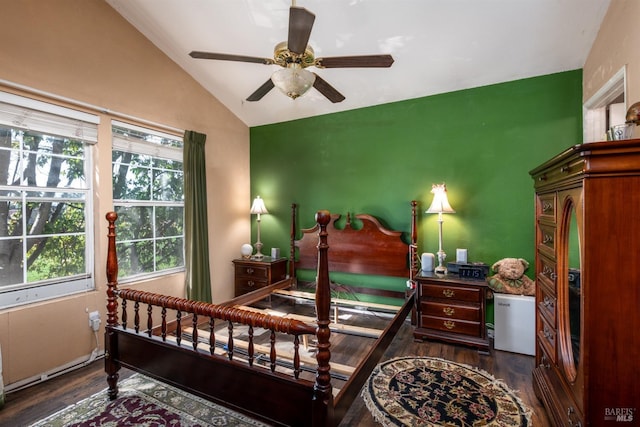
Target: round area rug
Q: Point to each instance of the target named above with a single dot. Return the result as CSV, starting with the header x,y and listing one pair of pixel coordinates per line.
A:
x,y
427,391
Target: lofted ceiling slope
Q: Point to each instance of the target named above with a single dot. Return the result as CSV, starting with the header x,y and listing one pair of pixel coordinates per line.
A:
x,y
438,46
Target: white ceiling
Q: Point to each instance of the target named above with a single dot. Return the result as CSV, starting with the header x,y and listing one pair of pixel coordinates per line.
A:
x,y
438,45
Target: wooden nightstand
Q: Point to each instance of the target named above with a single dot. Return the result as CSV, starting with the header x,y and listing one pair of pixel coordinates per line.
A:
x,y
251,274
451,309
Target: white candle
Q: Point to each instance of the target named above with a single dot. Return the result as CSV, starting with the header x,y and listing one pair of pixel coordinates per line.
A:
x,y
461,256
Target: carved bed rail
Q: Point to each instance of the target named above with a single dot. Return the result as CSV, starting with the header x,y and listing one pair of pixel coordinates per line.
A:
x,y
193,309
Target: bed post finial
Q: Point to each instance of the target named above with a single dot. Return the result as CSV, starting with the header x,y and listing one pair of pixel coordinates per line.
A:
x,y
323,396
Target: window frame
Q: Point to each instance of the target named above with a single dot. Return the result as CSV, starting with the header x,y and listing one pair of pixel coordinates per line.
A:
x,y
155,151
20,113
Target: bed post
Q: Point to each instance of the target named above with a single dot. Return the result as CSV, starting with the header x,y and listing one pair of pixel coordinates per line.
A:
x,y
292,249
413,259
110,344
413,248
322,394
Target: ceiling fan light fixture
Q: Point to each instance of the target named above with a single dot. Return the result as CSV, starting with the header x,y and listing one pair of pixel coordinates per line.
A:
x,y
293,81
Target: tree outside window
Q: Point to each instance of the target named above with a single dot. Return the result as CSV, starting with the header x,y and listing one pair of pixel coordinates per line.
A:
x,y
43,211
148,196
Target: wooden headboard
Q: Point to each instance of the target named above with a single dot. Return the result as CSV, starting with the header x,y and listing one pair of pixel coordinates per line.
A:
x,y
371,249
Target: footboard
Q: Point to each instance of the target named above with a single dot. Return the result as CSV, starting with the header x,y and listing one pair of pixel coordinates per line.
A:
x,y
158,336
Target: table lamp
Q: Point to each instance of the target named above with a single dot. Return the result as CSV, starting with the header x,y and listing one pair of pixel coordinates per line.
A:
x,y
440,205
258,208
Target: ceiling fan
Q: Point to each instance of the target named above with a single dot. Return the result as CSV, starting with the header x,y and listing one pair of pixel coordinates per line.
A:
x,y
294,56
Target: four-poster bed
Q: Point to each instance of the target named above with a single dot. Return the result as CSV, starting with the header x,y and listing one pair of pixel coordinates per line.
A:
x,y
180,341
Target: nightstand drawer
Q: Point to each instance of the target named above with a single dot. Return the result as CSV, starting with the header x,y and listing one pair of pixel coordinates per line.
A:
x,y
452,311
245,284
454,326
452,292
253,271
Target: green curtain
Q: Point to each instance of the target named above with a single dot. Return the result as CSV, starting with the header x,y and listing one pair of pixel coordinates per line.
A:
x,y
198,277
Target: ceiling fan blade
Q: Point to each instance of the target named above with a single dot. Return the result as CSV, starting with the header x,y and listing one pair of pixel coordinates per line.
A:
x,y
300,25
227,57
261,91
327,90
364,61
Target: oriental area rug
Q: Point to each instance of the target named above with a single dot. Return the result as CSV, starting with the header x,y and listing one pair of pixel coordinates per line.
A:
x,y
143,401
427,391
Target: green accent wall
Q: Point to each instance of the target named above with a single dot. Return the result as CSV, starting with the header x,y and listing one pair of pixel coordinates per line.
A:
x,y
481,142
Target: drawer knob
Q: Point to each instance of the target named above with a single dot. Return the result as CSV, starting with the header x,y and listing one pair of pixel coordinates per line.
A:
x,y
448,311
570,412
544,362
249,270
549,272
251,283
449,293
449,324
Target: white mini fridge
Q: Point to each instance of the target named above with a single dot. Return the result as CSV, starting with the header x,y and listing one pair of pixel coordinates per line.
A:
x,y
515,323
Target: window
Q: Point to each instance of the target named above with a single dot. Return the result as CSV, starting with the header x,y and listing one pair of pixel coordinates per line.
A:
x,y
45,200
148,197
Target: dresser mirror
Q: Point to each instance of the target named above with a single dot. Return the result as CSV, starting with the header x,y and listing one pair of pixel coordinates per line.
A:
x,y
572,294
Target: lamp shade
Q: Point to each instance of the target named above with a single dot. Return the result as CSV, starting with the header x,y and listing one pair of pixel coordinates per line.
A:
x,y
440,203
258,207
293,81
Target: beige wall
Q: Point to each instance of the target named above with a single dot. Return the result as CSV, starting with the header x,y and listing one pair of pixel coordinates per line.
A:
x,y
82,50
616,45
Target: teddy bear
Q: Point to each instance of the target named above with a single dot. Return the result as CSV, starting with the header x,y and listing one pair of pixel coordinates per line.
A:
x,y
509,277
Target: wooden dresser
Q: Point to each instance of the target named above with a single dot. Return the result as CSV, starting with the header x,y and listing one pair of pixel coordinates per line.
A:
x,y
451,309
588,284
251,274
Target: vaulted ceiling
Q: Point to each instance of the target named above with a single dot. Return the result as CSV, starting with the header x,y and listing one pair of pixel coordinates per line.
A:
x,y
437,45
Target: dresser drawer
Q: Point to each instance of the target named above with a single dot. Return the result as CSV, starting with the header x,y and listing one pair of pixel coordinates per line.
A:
x,y
547,207
547,304
545,360
547,338
546,271
560,172
451,311
452,292
454,326
547,239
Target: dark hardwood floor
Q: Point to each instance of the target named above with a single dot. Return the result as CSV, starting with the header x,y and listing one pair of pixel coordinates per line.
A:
x,y
36,402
